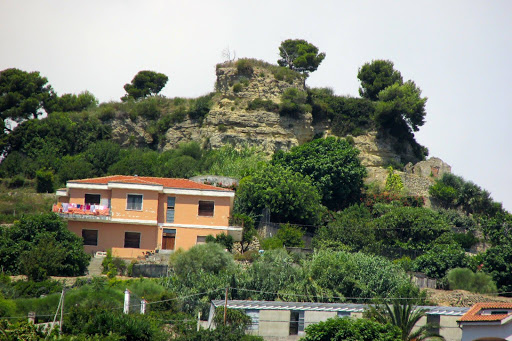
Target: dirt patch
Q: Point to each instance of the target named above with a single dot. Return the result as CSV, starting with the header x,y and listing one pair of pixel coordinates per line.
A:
x,y
461,298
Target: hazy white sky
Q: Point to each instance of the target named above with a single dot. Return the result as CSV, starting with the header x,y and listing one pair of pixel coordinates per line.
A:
x,y
457,52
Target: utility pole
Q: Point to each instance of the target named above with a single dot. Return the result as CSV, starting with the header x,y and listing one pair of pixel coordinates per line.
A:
x,y
226,305
62,309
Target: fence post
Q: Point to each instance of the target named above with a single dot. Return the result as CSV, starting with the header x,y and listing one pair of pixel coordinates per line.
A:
x,y
32,317
143,306
126,307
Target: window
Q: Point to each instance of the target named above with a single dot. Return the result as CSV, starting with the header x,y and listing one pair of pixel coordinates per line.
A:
x,y
132,239
134,202
92,199
201,240
170,209
499,312
343,313
296,322
254,314
206,208
90,237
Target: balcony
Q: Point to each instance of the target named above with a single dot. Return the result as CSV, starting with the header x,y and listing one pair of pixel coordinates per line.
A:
x,y
79,212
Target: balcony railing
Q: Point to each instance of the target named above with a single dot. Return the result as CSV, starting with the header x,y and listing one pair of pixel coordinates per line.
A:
x,y
76,211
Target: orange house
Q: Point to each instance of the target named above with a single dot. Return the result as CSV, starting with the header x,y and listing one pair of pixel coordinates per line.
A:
x,y
132,215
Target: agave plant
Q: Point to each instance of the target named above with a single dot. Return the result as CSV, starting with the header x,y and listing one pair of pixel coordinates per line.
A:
x,y
404,315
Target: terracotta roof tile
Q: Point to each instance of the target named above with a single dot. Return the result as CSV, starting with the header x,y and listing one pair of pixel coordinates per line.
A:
x,y
166,182
473,314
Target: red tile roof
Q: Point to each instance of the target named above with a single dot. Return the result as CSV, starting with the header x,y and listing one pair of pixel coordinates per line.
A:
x,y
149,180
473,314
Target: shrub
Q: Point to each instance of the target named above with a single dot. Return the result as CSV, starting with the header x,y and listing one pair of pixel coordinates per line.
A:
x,y
91,321
248,256
394,182
222,128
360,329
282,73
290,236
147,109
271,243
293,103
209,257
200,107
465,279
244,67
17,181
237,87
259,103
225,240
44,181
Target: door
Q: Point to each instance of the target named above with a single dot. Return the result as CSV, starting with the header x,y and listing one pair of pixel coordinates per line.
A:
x,y
168,239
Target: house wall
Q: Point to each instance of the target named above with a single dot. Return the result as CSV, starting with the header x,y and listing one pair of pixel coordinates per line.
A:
x,y
449,328
487,332
149,205
187,237
274,323
77,195
311,317
186,211
111,235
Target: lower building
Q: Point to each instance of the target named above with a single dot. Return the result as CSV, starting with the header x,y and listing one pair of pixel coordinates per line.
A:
x,y
487,322
275,320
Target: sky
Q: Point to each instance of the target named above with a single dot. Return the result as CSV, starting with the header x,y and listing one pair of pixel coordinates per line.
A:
x,y
457,52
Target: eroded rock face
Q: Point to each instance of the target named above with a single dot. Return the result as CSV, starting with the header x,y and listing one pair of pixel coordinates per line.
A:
x,y
230,122
433,167
128,133
378,151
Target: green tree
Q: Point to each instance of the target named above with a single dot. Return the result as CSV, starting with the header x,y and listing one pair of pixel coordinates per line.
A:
x,y
401,109
74,168
101,155
45,258
412,228
498,263
376,76
136,162
64,256
348,228
289,196
361,329
403,315
330,274
437,261
144,84
299,55
72,102
22,95
270,274
248,232
333,166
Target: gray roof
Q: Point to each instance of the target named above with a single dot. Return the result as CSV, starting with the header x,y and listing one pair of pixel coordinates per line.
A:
x,y
315,306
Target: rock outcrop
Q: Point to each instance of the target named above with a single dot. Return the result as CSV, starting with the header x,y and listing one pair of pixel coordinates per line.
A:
x,y
230,121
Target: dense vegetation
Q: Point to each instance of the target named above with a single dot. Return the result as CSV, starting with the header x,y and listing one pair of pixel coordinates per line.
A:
x,y
365,237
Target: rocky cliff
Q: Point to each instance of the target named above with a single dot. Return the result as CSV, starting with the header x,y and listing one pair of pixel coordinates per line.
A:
x,y
230,121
